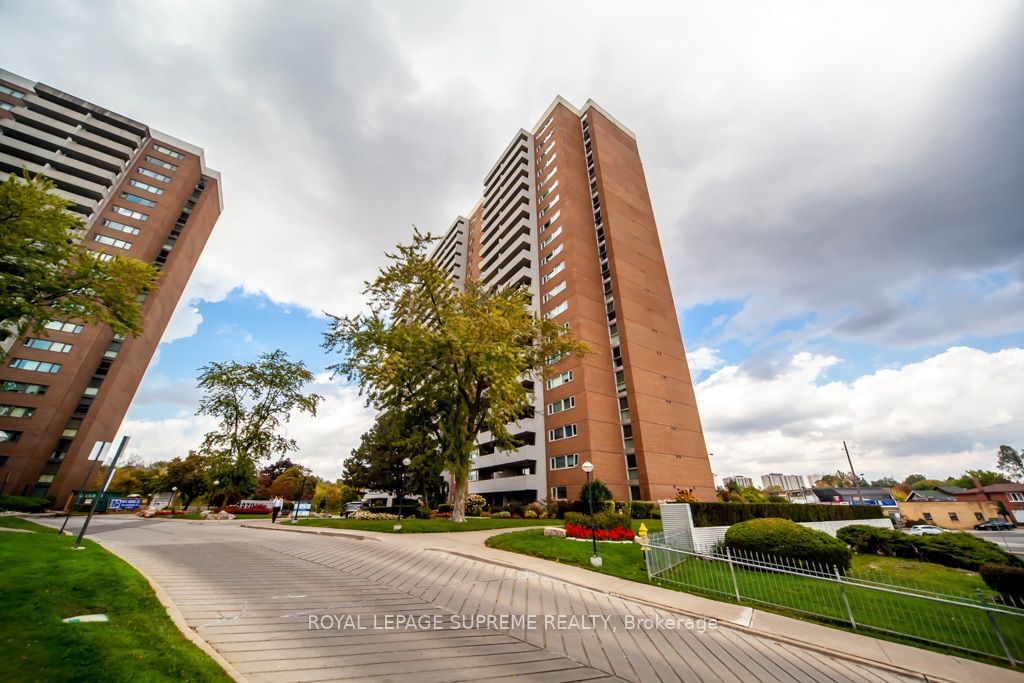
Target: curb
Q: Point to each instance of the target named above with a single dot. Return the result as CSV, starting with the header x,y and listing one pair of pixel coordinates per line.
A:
x,y
313,531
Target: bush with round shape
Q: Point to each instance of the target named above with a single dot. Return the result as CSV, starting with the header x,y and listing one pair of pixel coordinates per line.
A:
x,y
962,551
504,514
639,509
1006,580
861,537
786,539
530,514
445,507
475,504
600,491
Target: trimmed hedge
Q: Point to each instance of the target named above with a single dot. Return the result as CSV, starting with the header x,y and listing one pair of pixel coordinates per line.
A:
x,y
727,514
445,507
785,538
602,520
1004,579
23,504
952,549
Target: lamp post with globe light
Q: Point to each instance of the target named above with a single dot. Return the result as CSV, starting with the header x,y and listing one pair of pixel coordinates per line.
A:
x,y
588,468
216,483
401,492
174,492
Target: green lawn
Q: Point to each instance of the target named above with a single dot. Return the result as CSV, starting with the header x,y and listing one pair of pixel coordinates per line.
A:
x,y
19,523
45,581
875,612
424,526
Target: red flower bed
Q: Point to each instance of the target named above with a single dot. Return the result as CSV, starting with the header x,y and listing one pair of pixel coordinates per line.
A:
x,y
248,510
440,515
616,534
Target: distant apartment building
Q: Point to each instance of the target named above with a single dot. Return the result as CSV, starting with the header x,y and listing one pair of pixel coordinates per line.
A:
x,y
142,194
565,213
786,482
741,481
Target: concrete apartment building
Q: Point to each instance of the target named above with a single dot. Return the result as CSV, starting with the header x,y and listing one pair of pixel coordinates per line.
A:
x,y
786,482
566,213
741,481
141,193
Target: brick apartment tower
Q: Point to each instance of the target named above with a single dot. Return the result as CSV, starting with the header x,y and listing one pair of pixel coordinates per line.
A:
x,y
566,213
142,193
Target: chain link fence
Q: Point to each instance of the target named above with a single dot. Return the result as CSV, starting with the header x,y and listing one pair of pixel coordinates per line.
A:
x,y
982,623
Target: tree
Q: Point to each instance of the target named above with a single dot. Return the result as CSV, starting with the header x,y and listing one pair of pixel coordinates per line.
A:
x,y
1011,462
885,482
376,464
253,401
925,484
268,474
189,475
461,359
985,477
45,275
598,489
840,480
913,479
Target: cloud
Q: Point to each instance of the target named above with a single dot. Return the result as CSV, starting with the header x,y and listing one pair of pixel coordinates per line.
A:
x,y
324,441
940,416
702,360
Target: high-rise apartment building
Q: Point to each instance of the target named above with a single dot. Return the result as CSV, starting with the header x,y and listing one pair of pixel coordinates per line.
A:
x,y
741,481
565,212
142,194
786,482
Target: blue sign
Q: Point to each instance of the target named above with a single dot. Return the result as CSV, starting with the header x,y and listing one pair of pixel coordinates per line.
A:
x,y
302,508
124,504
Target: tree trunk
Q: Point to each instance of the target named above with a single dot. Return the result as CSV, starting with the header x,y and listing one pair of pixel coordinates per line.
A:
x,y
459,509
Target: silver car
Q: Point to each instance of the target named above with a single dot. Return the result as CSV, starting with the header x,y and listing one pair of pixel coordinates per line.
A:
x,y
926,530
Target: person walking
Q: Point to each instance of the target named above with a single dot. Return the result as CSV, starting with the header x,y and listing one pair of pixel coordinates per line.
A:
x,y
276,504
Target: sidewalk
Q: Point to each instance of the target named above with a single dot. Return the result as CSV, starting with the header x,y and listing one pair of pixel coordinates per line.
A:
x,y
924,664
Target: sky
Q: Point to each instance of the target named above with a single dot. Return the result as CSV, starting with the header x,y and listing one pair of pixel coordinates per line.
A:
x,y
839,190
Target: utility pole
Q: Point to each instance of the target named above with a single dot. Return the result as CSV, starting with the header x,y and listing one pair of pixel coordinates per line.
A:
x,y
856,479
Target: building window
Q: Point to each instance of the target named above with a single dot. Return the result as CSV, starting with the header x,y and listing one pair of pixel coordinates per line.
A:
x,y
47,345
474,475
551,238
16,411
22,387
554,291
72,428
161,163
110,241
137,215
154,175
102,256
559,433
1015,496
543,212
145,186
562,462
927,516
953,517
169,152
58,326
562,405
557,310
136,199
10,91
559,493
547,224
556,358
114,225
552,254
34,365
979,517
559,380
547,192
6,106
552,273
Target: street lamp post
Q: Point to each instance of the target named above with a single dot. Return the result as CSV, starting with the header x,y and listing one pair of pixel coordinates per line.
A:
x,y
401,492
216,483
174,492
588,467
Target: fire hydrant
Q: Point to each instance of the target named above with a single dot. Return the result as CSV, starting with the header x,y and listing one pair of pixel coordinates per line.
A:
x,y
642,535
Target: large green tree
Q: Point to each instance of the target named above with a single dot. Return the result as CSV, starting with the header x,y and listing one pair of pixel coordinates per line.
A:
x,y
45,275
253,401
457,357
188,475
1011,462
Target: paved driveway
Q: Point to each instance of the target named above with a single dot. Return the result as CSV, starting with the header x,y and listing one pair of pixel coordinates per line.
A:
x,y
297,607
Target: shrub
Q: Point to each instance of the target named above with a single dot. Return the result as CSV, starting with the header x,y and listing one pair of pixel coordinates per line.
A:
x,y
639,509
727,514
962,551
1006,580
504,514
248,510
423,512
484,513
366,514
543,514
602,520
617,534
516,509
862,538
530,514
782,537
441,515
445,507
655,512
23,504
600,491
536,506
475,505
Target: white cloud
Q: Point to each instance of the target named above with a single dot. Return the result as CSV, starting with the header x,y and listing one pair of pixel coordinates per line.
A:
x,y
702,360
921,417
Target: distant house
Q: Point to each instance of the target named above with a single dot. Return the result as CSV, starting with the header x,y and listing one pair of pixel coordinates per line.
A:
x,y
866,495
1010,495
945,493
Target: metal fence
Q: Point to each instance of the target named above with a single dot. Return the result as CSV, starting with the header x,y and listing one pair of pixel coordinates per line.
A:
x,y
981,623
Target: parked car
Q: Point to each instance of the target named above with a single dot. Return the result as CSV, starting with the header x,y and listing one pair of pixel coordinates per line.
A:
x,y
352,508
926,530
995,525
